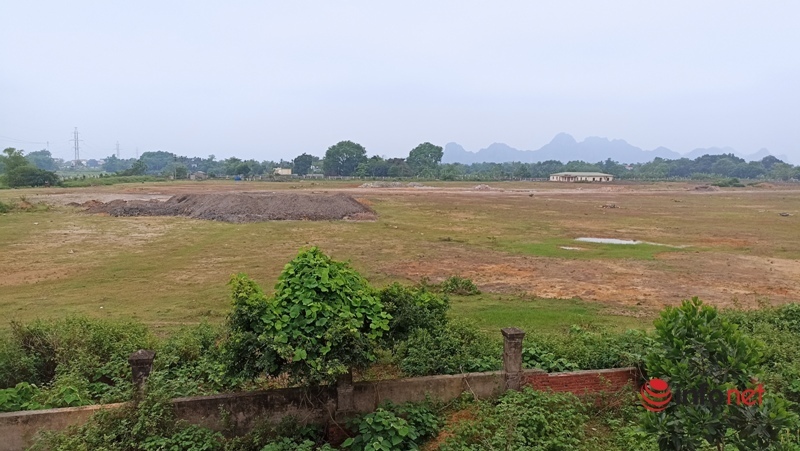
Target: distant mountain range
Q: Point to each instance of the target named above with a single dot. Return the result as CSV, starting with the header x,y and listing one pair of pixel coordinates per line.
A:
x,y
565,148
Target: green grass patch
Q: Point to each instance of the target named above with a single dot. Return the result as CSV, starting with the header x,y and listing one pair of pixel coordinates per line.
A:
x,y
112,180
492,312
555,248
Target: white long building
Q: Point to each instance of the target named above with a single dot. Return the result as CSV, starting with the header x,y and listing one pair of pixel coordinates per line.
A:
x,y
581,177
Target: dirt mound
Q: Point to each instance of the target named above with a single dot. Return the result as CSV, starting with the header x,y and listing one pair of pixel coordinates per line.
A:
x,y
243,207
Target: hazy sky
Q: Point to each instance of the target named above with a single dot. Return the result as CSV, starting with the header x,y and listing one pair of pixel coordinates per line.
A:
x,y
272,79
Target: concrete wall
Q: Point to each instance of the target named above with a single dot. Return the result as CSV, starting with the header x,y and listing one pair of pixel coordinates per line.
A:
x,y
17,429
239,412
369,395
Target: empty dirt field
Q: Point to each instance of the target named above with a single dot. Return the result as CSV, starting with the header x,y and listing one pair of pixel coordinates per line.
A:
x,y
516,240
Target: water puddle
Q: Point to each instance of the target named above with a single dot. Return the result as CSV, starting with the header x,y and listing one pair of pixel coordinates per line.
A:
x,y
607,241
619,241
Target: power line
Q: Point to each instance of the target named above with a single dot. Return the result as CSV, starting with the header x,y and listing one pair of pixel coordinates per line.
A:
x,y
22,141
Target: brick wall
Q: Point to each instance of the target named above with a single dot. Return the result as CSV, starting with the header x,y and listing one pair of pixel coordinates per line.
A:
x,y
581,382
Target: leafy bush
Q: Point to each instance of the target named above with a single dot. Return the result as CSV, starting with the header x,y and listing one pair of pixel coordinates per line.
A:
x,y
192,361
324,320
411,309
456,347
74,361
729,183
30,176
522,420
458,285
394,427
147,425
694,348
5,208
20,397
582,349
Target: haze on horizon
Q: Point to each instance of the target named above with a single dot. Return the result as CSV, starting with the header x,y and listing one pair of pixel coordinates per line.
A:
x,y
271,80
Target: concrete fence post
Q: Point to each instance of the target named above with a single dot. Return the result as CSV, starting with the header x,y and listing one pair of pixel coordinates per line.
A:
x,y
512,357
345,404
141,363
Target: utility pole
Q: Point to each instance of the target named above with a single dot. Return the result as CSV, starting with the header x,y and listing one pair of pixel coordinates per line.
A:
x,y
117,149
77,147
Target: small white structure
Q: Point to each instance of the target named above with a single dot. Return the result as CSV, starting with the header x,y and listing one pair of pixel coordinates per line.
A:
x,y
199,175
282,171
581,177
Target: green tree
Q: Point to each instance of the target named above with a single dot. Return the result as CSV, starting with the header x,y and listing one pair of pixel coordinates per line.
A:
x,y
137,168
114,164
231,165
30,176
42,159
242,169
696,349
12,158
323,321
782,171
302,164
425,158
343,158
157,161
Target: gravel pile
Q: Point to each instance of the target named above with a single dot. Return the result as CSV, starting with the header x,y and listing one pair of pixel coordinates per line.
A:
x,y
241,207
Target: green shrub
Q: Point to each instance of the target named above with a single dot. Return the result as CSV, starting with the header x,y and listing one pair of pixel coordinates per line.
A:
x,y
382,430
20,397
453,348
582,349
30,176
5,208
729,183
458,285
192,361
149,424
694,348
411,309
527,419
74,361
323,321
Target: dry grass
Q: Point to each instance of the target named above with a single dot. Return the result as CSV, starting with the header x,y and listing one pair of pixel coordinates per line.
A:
x,y
167,271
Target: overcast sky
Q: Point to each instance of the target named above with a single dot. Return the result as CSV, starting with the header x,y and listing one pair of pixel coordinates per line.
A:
x,y
273,79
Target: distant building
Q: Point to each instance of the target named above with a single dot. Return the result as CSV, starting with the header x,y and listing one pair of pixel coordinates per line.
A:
x,y
199,175
282,171
581,177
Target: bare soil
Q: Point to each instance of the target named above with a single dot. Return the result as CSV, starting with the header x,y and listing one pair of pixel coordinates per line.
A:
x,y
240,207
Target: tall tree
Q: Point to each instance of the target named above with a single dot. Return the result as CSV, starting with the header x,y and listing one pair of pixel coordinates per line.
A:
x,y
343,158
302,164
12,159
114,164
425,158
157,161
42,159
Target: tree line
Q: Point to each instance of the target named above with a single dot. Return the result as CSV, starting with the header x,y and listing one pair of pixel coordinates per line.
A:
x,y
349,159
